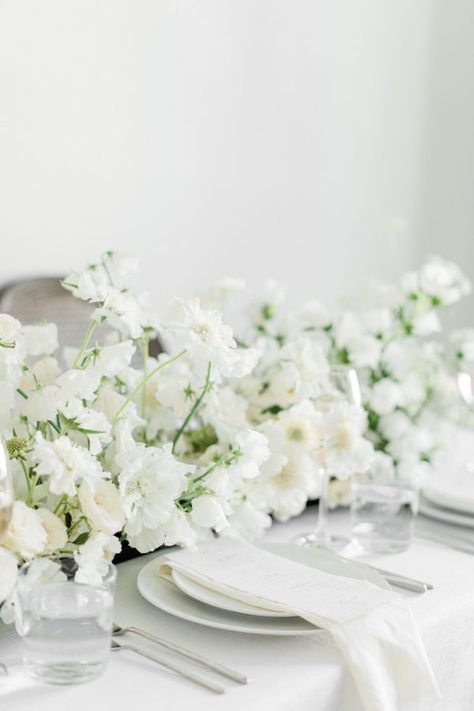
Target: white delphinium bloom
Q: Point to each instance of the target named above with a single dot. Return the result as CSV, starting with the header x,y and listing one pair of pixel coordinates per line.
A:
x,y
12,349
101,504
253,452
25,534
247,521
41,339
150,481
363,350
92,284
55,530
113,360
94,556
82,384
207,339
64,463
299,427
311,364
93,428
385,396
8,573
346,451
207,512
285,490
125,312
226,411
43,372
443,281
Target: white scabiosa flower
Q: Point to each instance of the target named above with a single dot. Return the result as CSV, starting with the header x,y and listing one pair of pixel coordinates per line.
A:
x,y
64,463
25,535
101,504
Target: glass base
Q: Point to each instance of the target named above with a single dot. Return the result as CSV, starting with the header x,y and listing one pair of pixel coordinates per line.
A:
x,y
72,673
322,540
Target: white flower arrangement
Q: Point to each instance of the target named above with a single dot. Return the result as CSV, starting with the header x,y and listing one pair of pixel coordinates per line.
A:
x,y
215,435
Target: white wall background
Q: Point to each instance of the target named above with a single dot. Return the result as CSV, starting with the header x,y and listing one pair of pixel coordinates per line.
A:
x,y
302,139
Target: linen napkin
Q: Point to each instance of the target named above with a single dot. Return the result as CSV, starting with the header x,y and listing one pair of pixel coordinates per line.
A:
x,y
374,630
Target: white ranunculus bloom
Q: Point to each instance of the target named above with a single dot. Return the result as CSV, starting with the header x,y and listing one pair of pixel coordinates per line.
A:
x,y
385,396
25,534
101,504
207,511
41,339
65,463
8,573
55,529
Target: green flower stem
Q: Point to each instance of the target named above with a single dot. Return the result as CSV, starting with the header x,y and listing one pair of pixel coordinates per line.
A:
x,y
220,463
60,504
27,477
145,351
143,382
85,343
195,407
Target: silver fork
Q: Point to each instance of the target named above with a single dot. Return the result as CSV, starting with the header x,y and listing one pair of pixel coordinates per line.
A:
x,y
116,647
215,666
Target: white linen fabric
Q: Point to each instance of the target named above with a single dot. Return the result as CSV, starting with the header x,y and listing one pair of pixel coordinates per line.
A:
x,y
374,630
287,673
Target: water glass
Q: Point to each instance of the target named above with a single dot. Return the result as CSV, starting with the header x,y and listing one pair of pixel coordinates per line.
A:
x,y
66,626
383,514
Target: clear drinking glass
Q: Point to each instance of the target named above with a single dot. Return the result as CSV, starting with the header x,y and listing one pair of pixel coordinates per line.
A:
x,y
6,494
344,386
383,513
66,626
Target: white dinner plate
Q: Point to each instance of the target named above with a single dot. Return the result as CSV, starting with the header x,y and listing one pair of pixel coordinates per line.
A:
x,y
458,496
168,597
440,513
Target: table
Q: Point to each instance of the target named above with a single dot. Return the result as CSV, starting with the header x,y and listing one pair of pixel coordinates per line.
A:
x,y
287,673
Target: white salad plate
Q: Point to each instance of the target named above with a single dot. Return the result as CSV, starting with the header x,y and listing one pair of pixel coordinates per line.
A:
x,y
441,513
167,596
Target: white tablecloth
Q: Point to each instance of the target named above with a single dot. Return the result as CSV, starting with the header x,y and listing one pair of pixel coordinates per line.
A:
x,y
287,673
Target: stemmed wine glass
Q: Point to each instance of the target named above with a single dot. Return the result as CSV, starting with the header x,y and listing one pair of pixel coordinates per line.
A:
x,y
6,494
465,382
344,387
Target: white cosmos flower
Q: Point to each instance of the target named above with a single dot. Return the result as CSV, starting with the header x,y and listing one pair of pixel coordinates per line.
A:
x,y
65,463
55,529
101,504
8,573
208,512
25,535
151,479
41,339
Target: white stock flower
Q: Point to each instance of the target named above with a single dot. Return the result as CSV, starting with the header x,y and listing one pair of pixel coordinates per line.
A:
x,y
8,573
55,530
41,339
101,504
25,535
150,481
207,512
65,463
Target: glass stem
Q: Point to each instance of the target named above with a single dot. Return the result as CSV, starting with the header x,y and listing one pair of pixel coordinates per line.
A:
x,y
322,532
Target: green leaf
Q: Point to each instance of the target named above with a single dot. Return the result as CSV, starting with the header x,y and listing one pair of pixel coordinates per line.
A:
x,y
82,538
272,410
68,520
